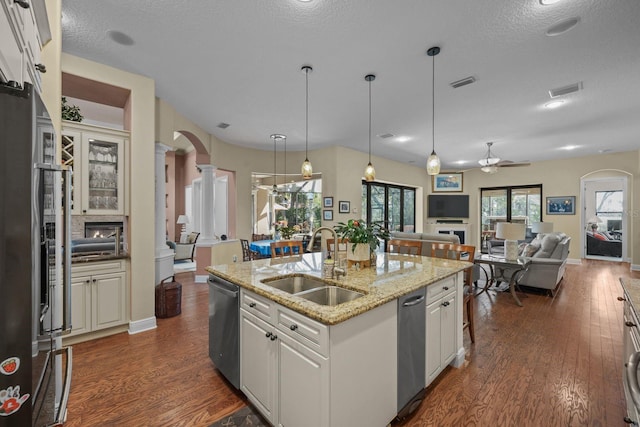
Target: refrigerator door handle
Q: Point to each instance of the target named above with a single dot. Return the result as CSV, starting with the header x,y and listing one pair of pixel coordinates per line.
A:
x,y
64,398
66,275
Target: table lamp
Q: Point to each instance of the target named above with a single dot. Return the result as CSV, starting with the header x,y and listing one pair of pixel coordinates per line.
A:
x,y
511,233
183,220
594,221
542,227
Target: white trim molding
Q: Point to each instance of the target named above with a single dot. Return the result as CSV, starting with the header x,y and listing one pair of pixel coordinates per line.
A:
x,y
635,267
137,326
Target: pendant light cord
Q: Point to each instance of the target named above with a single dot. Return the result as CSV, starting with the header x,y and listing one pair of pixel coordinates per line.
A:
x,y
370,121
306,137
433,105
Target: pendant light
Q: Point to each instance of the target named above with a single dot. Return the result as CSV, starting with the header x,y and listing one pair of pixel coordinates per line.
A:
x,y
433,162
285,199
369,171
274,189
307,168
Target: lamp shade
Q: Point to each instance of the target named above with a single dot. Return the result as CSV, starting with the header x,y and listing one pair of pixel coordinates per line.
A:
x,y
595,220
542,227
183,219
510,231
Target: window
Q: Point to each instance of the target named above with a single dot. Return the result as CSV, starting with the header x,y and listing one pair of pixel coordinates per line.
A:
x,y
394,205
521,204
609,208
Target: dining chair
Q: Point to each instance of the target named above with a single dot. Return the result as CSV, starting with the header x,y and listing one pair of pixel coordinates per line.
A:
x,y
404,247
466,253
278,248
247,253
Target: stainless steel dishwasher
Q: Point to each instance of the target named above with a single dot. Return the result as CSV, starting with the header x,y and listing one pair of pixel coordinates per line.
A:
x,y
411,351
224,328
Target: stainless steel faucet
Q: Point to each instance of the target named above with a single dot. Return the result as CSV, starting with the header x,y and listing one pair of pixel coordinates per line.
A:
x,y
337,271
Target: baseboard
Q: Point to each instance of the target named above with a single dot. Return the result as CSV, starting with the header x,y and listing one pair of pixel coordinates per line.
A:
x,y
137,326
201,278
575,261
635,267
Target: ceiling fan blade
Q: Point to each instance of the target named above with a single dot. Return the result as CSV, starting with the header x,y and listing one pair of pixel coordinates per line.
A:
x,y
513,164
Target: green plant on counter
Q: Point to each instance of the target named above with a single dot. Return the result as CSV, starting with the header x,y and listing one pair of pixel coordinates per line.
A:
x,y
70,112
357,231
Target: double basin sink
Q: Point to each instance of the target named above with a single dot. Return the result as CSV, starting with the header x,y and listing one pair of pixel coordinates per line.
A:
x,y
313,289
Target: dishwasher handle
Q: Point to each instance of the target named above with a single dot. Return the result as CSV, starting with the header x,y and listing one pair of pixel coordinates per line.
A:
x,y
631,376
413,301
225,291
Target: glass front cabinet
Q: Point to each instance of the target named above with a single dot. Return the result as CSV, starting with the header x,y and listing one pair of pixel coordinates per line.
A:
x,y
98,159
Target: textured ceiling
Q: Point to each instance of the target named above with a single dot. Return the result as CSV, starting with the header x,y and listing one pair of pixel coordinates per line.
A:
x,y
238,61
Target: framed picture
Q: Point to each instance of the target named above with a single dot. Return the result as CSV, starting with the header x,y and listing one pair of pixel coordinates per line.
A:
x,y
447,182
327,202
327,214
344,206
561,205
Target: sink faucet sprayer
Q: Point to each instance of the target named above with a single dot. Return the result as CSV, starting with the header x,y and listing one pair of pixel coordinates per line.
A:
x,y
337,271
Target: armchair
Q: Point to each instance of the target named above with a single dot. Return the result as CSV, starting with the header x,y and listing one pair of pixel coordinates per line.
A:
x,y
184,250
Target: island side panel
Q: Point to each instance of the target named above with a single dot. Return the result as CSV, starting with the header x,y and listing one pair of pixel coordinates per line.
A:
x,y
364,370
459,359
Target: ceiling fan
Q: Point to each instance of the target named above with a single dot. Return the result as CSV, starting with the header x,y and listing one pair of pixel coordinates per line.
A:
x,y
490,163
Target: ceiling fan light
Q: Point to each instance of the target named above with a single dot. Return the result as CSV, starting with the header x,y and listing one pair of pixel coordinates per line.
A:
x,y
306,169
369,173
433,164
491,169
489,161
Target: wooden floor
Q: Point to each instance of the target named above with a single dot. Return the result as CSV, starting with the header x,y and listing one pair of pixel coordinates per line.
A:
x,y
553,362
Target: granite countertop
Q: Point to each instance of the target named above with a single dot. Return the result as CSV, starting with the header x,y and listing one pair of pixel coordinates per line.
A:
x,y
79,258
632,289
394,276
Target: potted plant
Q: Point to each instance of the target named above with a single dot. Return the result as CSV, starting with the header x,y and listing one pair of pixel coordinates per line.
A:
x,y
363,238
70,112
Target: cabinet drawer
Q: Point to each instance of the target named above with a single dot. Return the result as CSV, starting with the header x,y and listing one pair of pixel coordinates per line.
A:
x,y
257,305
440,288
306,331
98,267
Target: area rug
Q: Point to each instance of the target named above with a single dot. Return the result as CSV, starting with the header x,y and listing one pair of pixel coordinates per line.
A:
x,y
243,417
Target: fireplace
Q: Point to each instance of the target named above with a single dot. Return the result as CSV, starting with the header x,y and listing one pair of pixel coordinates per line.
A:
x,y
102,229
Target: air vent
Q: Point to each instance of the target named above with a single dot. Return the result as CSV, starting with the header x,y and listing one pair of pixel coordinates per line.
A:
x,y
223,125
565,90
462,82
386,135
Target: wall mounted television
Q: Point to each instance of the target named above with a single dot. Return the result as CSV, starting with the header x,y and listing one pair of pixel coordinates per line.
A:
x,y
448,206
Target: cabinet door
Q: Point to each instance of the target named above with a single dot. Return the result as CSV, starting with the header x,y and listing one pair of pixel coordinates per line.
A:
x,y
448,331
258,364
433,341
108,300
70,146
304,385
10,43
102,174
80,305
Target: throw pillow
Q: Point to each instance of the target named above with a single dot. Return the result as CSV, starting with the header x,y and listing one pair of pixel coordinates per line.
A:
x,y
599,236
530,250
549,243
521,248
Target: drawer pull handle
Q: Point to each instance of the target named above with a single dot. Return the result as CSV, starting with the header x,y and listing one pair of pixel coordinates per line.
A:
x,y
446,303
41,67
293,327
629,324
273,337
268,334
621,299
22,3
446,288
252,304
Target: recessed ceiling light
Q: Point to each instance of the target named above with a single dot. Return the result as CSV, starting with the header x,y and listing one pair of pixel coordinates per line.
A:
x,y
460,162
569,147
554,104
548,2
120,37
562,26
403,139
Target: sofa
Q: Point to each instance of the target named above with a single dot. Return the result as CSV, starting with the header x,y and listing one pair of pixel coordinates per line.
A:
x,y
604,243
428,238
548,253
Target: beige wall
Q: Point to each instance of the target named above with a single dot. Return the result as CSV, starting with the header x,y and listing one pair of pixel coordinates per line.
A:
x,y
141,195
51,57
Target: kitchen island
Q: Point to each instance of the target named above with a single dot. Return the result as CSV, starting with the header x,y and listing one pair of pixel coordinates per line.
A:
x,y
303,363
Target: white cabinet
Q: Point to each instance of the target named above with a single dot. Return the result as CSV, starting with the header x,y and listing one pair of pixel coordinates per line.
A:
x,y
99,296
23,31
441,326
297,371
97,156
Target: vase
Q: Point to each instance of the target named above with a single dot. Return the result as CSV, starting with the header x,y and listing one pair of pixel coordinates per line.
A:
x,y
359,252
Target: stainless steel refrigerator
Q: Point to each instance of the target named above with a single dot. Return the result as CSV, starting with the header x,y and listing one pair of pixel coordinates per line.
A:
x,y
35,371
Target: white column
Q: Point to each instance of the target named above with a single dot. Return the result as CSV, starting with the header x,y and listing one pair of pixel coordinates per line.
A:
x,y
207,233
163,254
